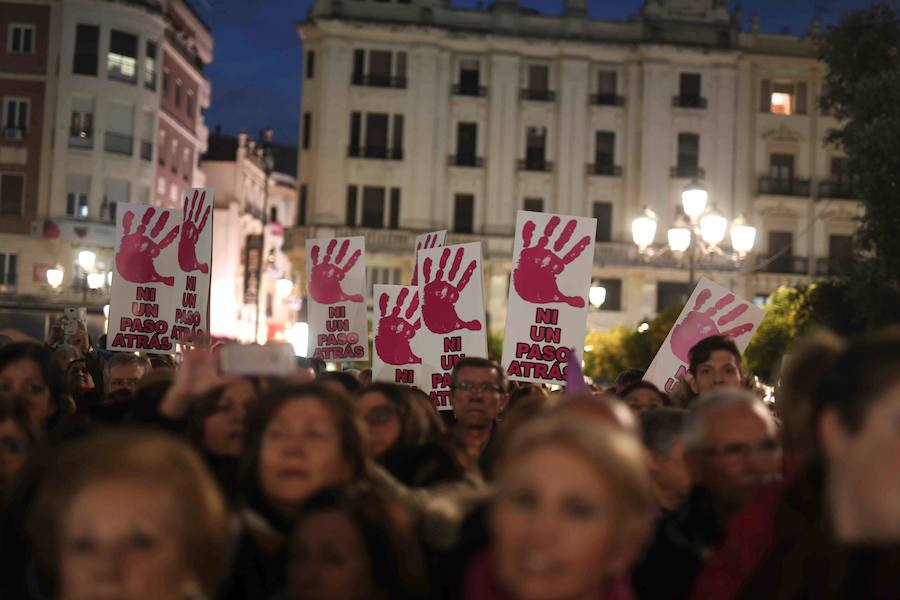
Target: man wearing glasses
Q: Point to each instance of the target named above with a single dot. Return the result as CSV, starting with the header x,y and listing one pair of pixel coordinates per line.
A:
x,y
478,394
732,450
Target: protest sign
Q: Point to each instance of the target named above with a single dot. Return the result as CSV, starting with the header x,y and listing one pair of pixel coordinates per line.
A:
x,y
397,321
451,291
142,299
711,310
338,324
192,280
546,315
433,239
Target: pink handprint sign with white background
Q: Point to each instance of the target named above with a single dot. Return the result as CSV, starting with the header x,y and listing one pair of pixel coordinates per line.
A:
x,y
192,285
451,294
432,239
142,298
711,310
336,286
398,319
546,314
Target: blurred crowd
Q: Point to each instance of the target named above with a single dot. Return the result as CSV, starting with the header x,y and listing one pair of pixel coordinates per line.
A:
x,y
140,477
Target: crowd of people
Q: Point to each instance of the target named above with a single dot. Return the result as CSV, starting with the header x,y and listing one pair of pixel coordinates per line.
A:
x,y
133,477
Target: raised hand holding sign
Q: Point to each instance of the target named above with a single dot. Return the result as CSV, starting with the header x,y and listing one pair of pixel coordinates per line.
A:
x,y
138,251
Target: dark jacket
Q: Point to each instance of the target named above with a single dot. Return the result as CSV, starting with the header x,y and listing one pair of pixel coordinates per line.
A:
x,y
682,542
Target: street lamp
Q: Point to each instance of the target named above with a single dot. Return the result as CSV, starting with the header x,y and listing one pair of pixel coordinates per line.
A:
x,y
95,280
87,260
701,228
597,295
55,276
284,287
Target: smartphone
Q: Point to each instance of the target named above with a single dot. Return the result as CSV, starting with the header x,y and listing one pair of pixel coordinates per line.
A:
x,y
72,316
274,360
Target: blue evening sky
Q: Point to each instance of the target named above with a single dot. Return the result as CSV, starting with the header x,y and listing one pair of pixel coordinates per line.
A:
x,y
256,78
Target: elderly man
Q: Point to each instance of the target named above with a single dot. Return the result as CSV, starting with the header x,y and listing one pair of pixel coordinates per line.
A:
x,y
662,431
732,450
479,395
122,373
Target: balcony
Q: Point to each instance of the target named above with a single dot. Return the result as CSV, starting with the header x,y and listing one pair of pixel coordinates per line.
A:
x,y
378,152
843,189
537,95
465,160
81,138
382,81
784,264
146,150
117,143
784,186
477,91
14,134
607,100
538,165
832,266
604,170
682,101
687,172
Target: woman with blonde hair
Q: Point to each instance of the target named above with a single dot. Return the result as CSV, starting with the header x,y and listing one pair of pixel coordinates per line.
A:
x,y
574,507
130,514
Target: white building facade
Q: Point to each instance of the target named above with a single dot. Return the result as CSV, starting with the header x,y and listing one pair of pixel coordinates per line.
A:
x,y
416,116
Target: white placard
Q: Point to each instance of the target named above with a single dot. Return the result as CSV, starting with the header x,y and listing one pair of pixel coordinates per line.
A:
x,y
397,323
451,291
195,266
546,316
142,299
432,239
711,310
338,324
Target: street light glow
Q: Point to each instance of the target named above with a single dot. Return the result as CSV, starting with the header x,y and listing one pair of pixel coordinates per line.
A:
x,y
95,280
284,287
643,228
87,259
55,277
743,235
597,296
694,199
713,227
679,235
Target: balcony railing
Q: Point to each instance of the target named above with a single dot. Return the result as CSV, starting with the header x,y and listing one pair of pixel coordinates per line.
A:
x,y
607,100
832,265
14,134
460,89
683,101
146,150
384,81
839,188
783,186
604,169
379,152
787,264
465,160
687,172
118,143
537,95
81,138
539,165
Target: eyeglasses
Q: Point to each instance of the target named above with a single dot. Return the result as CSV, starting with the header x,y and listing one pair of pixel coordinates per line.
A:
x,y
743,451
471,386
379,415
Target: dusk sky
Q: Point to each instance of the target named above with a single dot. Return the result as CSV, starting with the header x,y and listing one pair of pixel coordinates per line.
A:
x,y
256,78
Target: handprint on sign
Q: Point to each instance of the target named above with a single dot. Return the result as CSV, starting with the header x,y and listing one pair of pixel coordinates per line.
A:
x,y
440,297
325,279
534,278
395,332
137,251
190,233
698,325
430,241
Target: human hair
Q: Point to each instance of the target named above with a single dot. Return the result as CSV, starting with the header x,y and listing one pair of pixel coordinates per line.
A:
x,y
661,429
50,372
858,378
270,404
616,456
302,362
204,406
346,380
645,385
395,557
120,359
151,457
703,349
695,425
627,377
476,362
415,426
66,353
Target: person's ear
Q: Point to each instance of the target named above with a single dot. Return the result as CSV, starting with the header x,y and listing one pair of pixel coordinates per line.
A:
x,y
692,383
832,435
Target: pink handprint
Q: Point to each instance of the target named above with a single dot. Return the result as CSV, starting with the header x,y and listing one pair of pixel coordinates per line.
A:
x,y
535,276
326,277
698,325
440,297
395,332
430,241
137,251
190,233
